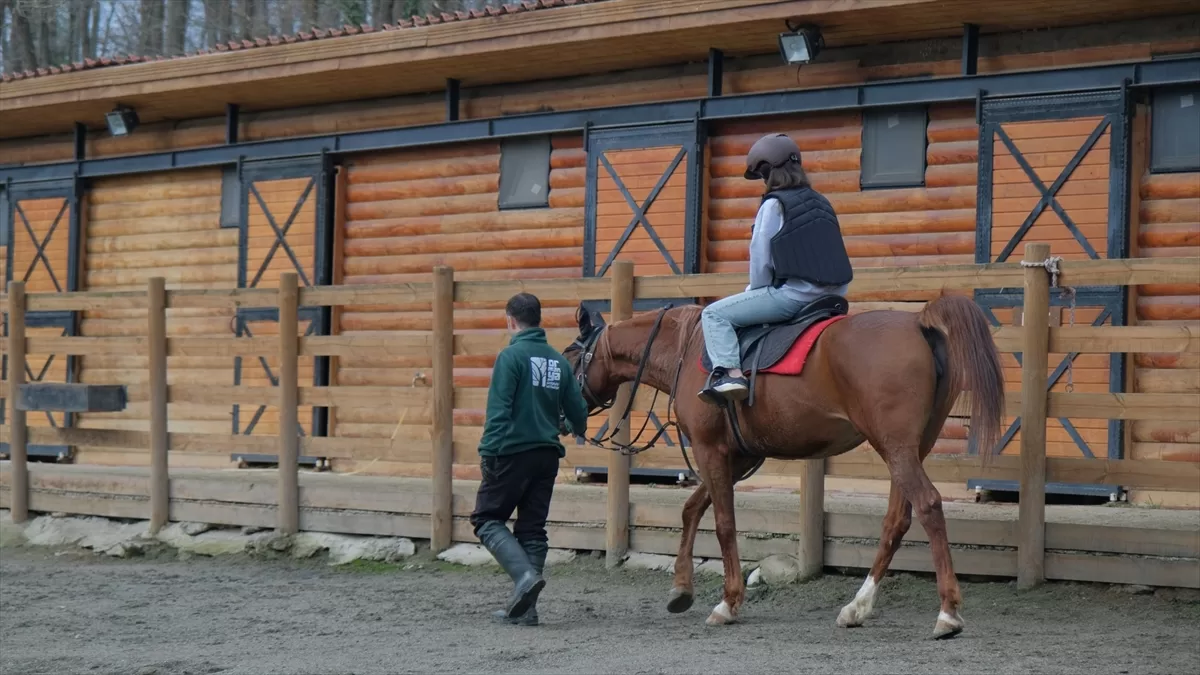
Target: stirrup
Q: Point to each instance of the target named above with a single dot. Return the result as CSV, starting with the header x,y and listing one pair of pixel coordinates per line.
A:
x,y
713,394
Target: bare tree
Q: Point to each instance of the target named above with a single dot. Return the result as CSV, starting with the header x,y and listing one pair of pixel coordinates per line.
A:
x,y
150,41
177,25
21,43
42,33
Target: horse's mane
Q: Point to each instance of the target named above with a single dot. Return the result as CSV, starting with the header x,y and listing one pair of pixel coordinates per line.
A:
x,y
686,319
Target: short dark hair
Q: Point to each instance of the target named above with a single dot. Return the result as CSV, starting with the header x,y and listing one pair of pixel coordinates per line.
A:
x,y
525,309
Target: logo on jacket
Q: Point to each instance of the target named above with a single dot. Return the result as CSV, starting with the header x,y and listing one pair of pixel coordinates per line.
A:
x,y
546,373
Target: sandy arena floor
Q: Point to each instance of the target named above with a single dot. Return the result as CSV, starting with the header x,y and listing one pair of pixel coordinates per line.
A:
x,y
72,612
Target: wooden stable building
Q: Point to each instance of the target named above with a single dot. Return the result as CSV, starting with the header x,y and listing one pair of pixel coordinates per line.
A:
x,y
553,137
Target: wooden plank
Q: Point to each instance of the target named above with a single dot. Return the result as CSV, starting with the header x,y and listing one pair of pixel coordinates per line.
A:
x,y
970,532
1111,569
156,336
1131,473
18,434
1032,521
1123,540
982,562
88,503
545,289
1141,271
1108,339
288,393
665,542
219,513
617,533
443,409
1157,407
204,394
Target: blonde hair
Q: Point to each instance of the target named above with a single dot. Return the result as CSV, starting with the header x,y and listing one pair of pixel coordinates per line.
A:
x,y
790,175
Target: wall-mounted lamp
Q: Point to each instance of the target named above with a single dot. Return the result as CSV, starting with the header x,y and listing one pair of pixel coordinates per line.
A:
x,y
122,121
801,44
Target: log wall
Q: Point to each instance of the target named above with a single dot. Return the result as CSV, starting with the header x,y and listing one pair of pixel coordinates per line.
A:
x,y
1169,225
404,214
166,225
1133,41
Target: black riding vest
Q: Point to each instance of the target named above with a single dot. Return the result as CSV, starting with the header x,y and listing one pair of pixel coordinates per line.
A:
x,y
809,246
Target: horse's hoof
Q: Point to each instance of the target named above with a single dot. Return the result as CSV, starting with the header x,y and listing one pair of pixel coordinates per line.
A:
x,y
680,600
948,626
849,617
721,615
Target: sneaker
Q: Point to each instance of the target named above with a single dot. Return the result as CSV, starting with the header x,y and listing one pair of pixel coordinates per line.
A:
x,y
722,388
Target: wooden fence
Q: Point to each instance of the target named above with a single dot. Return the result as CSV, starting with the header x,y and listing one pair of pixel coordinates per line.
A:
x,y
1035,339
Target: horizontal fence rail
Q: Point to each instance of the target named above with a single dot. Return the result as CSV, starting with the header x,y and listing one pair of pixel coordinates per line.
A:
x,y
439,443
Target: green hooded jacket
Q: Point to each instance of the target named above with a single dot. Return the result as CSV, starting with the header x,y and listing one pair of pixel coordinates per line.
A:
x,y
532,384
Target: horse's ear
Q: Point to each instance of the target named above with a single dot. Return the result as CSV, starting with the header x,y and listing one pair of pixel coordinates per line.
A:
x,y
598,319
584,319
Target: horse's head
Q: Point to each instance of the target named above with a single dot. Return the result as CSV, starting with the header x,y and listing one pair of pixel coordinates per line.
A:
x,y
593,374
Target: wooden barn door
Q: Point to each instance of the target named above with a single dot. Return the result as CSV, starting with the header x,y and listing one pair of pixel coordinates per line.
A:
x,y
283,229
643,205
41,238
1054,169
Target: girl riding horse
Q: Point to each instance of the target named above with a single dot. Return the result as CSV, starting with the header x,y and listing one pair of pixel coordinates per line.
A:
x,y
796,256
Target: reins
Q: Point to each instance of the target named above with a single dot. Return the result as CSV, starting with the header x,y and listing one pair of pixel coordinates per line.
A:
x,y
590,348
589,352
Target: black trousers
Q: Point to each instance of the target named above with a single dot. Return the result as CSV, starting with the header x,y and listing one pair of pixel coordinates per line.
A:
x,y
523,482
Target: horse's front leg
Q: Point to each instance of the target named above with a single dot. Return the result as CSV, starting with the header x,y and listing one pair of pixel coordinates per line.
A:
x,y
719,478
682,592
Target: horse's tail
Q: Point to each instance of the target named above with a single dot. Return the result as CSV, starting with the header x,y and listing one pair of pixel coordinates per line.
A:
x,y
974,363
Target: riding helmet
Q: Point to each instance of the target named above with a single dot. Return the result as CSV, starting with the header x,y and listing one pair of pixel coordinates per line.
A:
x,y
773,150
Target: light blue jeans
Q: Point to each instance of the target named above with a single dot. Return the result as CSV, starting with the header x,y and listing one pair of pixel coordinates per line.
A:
x,y
759,306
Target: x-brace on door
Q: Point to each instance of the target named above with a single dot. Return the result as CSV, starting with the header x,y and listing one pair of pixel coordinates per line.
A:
x,y
285,226
42,249
1054,169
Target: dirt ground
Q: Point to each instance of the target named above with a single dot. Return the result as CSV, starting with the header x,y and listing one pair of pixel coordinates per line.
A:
x,y
71,612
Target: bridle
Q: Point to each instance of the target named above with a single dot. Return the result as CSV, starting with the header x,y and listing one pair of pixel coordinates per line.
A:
x,y
589,347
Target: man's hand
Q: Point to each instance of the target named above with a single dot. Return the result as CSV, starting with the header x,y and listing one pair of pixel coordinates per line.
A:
x,y
564,429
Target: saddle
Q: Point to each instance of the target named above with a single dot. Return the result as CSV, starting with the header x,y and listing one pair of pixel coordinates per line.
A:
x,y
762,346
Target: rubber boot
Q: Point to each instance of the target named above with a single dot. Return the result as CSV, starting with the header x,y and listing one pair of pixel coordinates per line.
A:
x,y
513,559
536,550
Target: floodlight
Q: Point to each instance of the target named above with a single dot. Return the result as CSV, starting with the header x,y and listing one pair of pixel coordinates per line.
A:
x,y
801,44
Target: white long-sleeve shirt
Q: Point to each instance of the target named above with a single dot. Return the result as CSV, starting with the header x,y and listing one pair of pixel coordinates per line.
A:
x,y
766,224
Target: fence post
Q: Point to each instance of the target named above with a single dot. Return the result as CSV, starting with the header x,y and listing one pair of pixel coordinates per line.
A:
x,y
1031,549
616,541
18,433
288,516
812,518
442,518
156,336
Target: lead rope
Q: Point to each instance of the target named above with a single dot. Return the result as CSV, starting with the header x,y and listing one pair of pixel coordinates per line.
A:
x,y
1051,266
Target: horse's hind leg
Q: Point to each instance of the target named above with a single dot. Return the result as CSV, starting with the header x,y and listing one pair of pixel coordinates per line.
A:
x,y
682,593
907,471
895,526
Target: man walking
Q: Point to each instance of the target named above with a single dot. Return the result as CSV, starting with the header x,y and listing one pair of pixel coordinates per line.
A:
x,y
532,390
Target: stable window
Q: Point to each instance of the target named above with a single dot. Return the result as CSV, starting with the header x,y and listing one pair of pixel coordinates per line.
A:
x,y
525,172
231,206
893,148
1175,130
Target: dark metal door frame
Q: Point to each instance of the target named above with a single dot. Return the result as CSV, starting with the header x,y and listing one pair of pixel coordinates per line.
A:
x,y
68,321
690,138
319,170
1112,106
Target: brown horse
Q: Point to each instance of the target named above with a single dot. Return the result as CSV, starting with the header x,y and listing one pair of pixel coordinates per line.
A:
x,y
886,377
